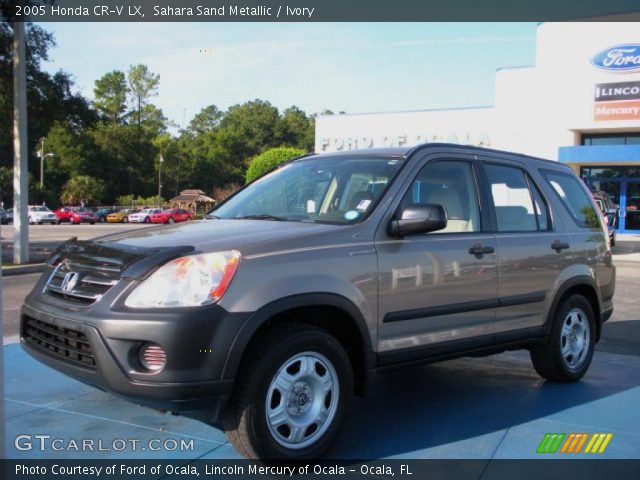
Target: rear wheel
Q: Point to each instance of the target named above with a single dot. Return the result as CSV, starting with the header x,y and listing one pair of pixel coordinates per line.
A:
x,y
567,355
125,220
291,395
147,220
170,221
102,219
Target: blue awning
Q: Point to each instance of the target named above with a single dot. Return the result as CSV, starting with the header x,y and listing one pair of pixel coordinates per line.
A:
x,y
599,154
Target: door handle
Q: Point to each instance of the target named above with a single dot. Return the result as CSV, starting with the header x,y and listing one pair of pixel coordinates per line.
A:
x,y
558,246
479,250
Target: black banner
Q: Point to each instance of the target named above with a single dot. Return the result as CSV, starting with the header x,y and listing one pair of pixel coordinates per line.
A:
x,y
576,468
314,10
606,92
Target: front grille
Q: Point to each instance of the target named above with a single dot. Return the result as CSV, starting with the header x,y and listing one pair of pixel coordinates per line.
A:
x,y
82,281
63,343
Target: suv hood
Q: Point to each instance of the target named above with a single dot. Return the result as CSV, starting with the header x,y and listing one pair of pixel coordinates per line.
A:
x,y
247,236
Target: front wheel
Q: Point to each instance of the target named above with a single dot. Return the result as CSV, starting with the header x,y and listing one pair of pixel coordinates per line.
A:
x,y
291,396
102,219
147,220
170,221
567,355
125,220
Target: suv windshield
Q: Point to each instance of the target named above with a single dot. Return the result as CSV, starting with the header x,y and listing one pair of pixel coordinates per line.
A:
x,y
328,190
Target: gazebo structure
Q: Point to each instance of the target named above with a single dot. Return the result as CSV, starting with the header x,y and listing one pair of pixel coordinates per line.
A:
x,y
191,199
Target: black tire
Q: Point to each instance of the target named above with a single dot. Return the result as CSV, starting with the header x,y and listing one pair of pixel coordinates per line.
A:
x,y
170,221
574,312
92,223
102,219
125,220
245,419
147,220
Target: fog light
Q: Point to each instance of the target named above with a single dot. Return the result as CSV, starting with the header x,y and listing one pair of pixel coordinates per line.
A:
x,y
153,357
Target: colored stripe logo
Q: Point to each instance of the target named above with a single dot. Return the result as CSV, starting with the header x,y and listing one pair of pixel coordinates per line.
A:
x,y
574,443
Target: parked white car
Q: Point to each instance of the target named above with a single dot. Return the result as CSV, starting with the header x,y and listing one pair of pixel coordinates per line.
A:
x,y
41,214
143,216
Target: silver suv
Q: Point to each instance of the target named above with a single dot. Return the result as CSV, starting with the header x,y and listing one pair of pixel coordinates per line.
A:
x,y
267,319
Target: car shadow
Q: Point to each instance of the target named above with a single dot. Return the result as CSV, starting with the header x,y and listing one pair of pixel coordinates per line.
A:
x,y
620,336
414,409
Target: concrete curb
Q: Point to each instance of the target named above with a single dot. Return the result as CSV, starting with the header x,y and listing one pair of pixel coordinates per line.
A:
x,y
628,257
11,339
23,269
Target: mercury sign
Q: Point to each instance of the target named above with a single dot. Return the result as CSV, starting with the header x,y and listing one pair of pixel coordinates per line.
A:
x,y
400,140
619,58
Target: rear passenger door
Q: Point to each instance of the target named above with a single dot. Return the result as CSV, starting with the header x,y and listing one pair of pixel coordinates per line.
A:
x,y
528,263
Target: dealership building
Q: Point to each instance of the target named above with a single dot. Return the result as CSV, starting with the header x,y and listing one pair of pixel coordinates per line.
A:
x,y
579,104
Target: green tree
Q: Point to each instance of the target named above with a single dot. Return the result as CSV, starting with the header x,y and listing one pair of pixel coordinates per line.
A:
x,y
269,160
82,190
110,93
142,86
296,129
51,96
206,120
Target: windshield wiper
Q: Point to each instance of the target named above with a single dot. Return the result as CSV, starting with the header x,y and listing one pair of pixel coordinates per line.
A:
x,y
262,216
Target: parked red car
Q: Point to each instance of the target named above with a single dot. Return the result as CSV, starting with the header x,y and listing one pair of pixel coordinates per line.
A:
x,y
75,215
171,216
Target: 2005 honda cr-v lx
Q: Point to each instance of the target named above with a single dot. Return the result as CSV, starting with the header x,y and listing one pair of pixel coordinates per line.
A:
x,y
268,318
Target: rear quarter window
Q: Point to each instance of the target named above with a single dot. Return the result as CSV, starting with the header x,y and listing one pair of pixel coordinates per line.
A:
x,y
574,197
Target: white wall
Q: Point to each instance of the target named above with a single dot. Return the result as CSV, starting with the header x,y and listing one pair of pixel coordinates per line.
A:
x,y
349,132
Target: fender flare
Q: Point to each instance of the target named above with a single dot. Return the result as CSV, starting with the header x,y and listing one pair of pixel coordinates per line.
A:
x,y
577,281
256,320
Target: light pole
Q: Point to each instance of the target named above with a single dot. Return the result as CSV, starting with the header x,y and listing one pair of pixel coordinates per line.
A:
x,y
42,157
160,179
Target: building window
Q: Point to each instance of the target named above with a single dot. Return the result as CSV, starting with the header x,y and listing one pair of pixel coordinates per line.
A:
x,y
598,139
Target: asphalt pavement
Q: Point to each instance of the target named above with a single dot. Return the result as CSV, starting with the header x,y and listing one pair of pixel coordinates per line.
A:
x,y
43,239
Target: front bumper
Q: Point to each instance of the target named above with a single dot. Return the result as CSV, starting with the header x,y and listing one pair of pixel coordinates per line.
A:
x,y
45,219
196,342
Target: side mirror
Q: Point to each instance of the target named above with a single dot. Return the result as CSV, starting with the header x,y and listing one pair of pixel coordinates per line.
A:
x,y
419,218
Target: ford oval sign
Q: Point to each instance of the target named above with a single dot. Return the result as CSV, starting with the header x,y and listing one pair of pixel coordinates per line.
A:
x,y
620,58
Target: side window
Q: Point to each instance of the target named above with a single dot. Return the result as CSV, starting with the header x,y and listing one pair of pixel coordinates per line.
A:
x,y
452,185
515,211
542,211
574,197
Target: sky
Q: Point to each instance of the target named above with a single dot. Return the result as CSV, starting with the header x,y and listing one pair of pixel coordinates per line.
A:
x,y
351,67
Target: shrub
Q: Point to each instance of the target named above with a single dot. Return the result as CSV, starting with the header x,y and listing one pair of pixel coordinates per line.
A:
x,y
139,201
270,159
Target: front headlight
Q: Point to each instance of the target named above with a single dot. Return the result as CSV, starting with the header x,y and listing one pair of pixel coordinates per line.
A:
x,y
190,281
